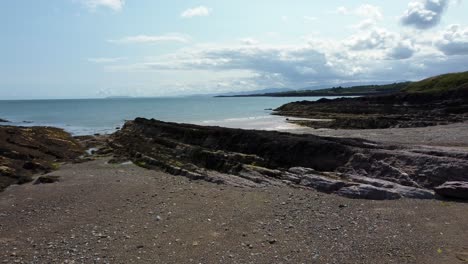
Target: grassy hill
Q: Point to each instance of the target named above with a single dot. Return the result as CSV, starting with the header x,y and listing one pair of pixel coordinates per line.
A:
x,y
441,83
338,91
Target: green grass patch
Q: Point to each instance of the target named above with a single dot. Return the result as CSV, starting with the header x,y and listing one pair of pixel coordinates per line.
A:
x,y
441,83
55,166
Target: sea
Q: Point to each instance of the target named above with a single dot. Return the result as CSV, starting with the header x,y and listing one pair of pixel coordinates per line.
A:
x,y
103,116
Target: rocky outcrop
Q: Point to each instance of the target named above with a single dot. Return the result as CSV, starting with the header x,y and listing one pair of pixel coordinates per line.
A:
x,y
28,151
348,167
46,179
372,112
453,190
4,121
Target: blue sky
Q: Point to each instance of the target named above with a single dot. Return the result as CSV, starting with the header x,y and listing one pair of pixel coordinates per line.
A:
x,y
97,48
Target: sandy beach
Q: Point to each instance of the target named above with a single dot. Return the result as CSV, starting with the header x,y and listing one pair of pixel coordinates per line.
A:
x,y
102,213
121,213
444,136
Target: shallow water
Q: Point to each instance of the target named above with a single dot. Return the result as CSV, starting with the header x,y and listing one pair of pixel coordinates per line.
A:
x,y
89,116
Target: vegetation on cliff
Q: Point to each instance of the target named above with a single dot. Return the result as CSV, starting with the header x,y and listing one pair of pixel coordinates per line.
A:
x,y
441,83
434,101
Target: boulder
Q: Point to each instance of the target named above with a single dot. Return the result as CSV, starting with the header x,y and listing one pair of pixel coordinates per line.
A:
x,y
46,179
453,189
25,151
404,191
4,121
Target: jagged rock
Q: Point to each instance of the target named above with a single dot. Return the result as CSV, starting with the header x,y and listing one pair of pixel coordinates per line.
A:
x,y
384,111
4,121
453,190
25,151
349,167
404,191
366,191
408,168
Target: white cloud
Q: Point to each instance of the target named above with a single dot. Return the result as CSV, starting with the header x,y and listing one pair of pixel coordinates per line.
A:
x,y
376,38
453,40
115,5
140,39
371,54
366,11
369,11
196,11
424,14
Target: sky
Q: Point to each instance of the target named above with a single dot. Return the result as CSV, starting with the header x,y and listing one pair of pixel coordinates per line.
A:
x,y
99,48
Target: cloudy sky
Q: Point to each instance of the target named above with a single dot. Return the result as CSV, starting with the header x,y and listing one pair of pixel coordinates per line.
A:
x,y
96,48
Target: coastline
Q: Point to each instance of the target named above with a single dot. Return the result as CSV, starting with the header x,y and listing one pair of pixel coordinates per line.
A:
x,y
151,214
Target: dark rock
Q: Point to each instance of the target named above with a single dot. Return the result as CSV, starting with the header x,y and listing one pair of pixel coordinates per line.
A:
x,y
25,151
384,111
45,179
222,148
4,121
453,190
349,167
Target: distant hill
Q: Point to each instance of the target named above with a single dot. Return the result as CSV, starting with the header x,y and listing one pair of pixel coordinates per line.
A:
x,y
336,91
445,82
118,97
262,91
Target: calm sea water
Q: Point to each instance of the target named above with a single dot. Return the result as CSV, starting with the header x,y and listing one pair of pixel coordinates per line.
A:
x,y
89,116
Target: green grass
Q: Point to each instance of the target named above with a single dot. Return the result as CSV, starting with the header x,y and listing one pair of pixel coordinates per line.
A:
x,y
55,166
141,164
441,83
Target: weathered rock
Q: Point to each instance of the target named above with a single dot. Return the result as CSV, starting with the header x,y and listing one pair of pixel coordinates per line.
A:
x,y
408,168
365,191
349,167
453,190
404,191
25,151
384,111
302,170
322,184
45,179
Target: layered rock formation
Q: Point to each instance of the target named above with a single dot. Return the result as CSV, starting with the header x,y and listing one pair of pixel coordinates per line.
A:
x,y
453,189
28,151
396,110
348,167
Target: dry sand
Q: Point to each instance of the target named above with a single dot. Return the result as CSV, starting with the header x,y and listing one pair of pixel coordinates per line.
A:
x,y
102,213
453,135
